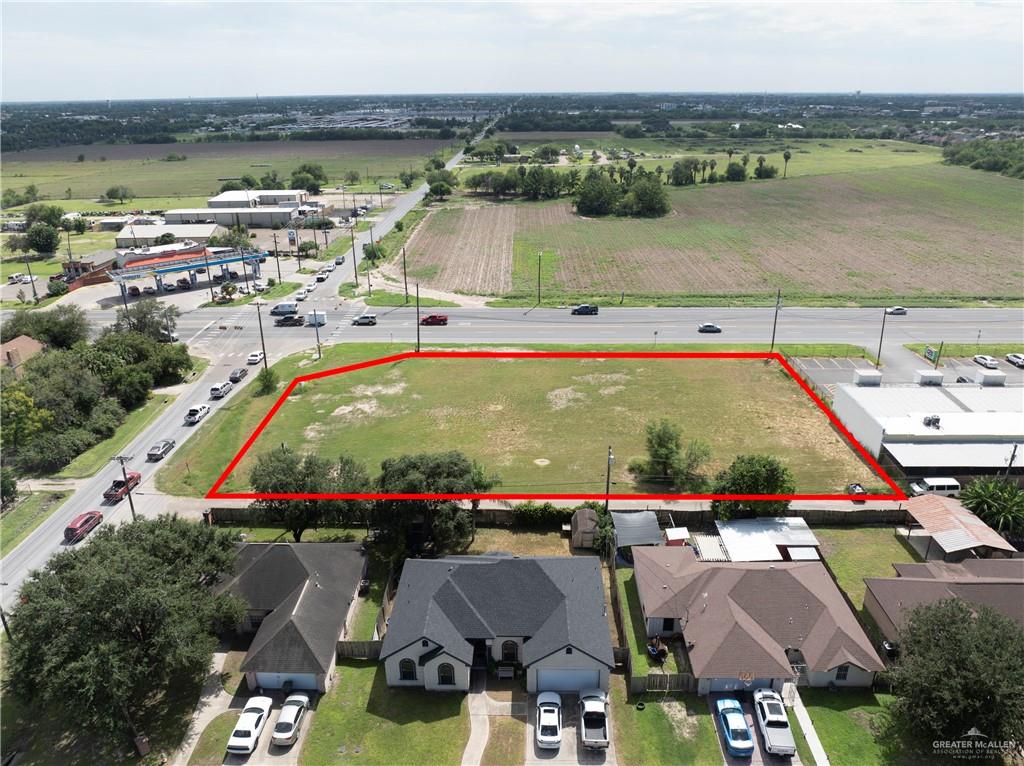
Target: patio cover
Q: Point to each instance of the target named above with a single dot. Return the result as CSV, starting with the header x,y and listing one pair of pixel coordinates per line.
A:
x,y
637,529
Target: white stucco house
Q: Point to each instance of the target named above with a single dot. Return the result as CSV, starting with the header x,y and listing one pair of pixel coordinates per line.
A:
x,y
546,618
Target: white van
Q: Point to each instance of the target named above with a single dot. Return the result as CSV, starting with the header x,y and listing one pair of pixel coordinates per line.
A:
x,y
932,485
285,309
316,318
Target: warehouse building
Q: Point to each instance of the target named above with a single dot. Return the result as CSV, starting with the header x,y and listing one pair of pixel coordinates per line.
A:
x,y
253,217
930,430
145,235
258,198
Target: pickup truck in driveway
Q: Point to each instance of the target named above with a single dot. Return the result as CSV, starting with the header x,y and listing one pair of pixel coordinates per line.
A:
x,y
117,491
594,719
773,723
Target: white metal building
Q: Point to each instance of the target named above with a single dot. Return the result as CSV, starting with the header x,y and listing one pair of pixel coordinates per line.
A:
x,y
257,197
254,217
145,235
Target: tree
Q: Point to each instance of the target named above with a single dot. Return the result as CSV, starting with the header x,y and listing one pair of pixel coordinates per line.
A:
x,y
351,176
61,327
131,386
703,170
745,160
16,243
667,463
119,192
308,246
305,181
270,180
266,381
80,225
735,172
231,186
51,214
164,239
408,177
646,198
22,419
998,502
684,171
43,238
786,156
440,190
961,667
752,475
598,194
763,170
313,169
80,158
56,288
730,152
102,627
148,317
8,486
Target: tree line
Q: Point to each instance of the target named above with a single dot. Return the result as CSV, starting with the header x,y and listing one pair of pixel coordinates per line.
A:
x,y
1004,157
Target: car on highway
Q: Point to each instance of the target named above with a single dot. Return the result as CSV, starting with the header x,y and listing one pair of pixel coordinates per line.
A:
x,y
770,714
899,311
365,319
254,358
708,327
329,267
237,374
159,450
549,721
167,337
290,321
584,309
81,525
1017,360
221,390
739,741
431,319
301,294
196,413
311,286
321,276
989,362
246,734
339,259
284,309
289,720
119,488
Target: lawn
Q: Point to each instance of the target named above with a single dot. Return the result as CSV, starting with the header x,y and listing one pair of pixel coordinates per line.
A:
x,y
671,729
279,290
803,750
231,677
360,720
962,350
506,741
843,722
30,510
380,298
519,542
209,750
364,621
636,629
92,460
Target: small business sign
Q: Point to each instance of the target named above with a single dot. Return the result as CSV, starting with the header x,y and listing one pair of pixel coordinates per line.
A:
x,y
929,353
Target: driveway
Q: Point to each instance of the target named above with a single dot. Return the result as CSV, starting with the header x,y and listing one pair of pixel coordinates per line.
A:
x,y
760,756
570,751
266,752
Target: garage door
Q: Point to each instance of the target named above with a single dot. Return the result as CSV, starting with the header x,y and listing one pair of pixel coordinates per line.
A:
x,y
278,680
551,680
736,685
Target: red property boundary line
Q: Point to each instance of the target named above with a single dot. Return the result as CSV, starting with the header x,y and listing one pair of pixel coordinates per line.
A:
x,y
216,494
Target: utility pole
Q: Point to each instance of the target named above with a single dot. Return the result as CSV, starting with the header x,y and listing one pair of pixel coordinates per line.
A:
x,y
938,356
405,275
277,260
209,276
1013,457
417,317
7,629
316,326
608,478
245,274
122,459
380,190
538,279
778,301
263,343
68,232
32,281
298,250
881,335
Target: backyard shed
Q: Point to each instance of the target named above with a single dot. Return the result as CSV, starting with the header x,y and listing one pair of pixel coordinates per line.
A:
x,y
584,527
639,528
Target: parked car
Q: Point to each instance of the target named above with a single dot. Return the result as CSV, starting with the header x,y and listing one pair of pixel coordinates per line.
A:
x,y
387,186
896,311
708,327
549,720
856,489
149,290
197,413
167,337
237,374
220,390
81,525
935,485
232,274
134,291
441,319
365,319
119,488
254,358
170,287
593,719
962,379
290,321
159,450
738,739
15,278
27,279
771,718
584,308
289,721
258,287
987,361
1017,360
246,734
184,283
218,277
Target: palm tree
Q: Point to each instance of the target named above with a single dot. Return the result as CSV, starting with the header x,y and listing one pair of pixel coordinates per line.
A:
x,y
730,152
659,171
712,165
703,170
785,156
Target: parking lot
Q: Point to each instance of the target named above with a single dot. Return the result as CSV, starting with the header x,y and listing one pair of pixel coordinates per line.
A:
x,y
827,373
570,751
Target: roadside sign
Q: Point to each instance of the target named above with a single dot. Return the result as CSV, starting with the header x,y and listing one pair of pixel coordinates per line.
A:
x,y
929,353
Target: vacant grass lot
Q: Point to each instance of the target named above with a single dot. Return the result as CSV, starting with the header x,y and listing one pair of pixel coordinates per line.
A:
x,y
513,417
360,720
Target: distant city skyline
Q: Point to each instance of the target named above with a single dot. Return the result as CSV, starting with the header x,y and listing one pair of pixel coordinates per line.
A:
x,y
122,51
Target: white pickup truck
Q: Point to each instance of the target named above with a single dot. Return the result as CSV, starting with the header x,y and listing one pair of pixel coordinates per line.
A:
x,y
594,719
773,723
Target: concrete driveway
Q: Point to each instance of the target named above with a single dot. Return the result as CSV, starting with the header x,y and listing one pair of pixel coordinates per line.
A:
x,y
570,751
760,757
267,753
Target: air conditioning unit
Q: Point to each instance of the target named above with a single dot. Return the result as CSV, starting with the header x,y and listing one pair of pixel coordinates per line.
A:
x,y
931,421
928,377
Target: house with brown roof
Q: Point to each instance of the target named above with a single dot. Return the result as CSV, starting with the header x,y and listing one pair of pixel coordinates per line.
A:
x,y
17,351
749,625
997,583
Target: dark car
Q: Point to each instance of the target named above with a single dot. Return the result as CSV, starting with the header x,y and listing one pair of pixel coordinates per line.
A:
x,y
290,321
233,274
708,327
134,291
435,319
584,308
82,525
185,283
237,374
159,450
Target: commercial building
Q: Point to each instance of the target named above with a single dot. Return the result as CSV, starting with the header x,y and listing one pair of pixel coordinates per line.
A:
x,y
257,198
253,217
933,430
94,265
144,235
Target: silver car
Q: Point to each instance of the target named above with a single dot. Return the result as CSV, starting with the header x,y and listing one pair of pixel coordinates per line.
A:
x,y
293,711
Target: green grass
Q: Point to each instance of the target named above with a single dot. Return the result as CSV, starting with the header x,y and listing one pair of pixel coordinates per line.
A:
x,y
671,729
636,630
387,726
280,290
92,460
209,750
507,427
998,350
112,208
843,722
364,622
803,750
231,676
398,299
29,511
506,741
29,305
81,244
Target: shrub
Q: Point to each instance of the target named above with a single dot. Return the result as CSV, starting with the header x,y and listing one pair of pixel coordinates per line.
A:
x,y
533,515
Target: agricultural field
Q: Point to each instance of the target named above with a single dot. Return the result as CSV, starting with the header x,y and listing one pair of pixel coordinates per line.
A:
x,y
843,238
513,416
143,167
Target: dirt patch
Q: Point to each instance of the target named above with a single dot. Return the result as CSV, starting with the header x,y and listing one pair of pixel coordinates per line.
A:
x,y
561,398
609,390
361,408
597,378
313,431
542,461
379,390
683,724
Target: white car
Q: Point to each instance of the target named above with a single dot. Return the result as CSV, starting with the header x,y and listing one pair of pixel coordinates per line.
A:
x,y
259,287
301,295
197,413
1017,360
27,279
14,278
254,358
329,267
286,730
311,286
322,276
549,720
896,311
986,361
250,725
365,319
770,714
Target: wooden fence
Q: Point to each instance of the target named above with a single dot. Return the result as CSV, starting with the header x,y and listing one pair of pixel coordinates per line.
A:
x,y
663,682
361,650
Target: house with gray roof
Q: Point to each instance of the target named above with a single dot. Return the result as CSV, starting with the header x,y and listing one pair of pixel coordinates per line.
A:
x,y
299,596
545,616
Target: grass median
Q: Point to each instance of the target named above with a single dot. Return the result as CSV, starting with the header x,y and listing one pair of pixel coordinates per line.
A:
x,y
28,512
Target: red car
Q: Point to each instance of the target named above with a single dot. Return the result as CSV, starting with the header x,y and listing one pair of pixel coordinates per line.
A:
x,y
119,489
81,526
435,319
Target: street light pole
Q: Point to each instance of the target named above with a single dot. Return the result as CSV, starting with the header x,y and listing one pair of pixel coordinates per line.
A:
x,y
538,279
122,459
316,326
209,276
608,478
355,270
405,275
263,344
778,300
417,317
878,358
277,260
32,281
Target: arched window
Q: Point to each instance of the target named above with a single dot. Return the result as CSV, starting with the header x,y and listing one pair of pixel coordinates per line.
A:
x,y
445,674
510,651
407,670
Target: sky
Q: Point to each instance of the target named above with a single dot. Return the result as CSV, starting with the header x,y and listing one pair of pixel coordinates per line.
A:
x,y
92,50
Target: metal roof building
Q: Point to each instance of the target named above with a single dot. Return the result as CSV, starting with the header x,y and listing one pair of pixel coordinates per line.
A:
x,y
955,532
257,217
257,197
639,528
144,235
765,539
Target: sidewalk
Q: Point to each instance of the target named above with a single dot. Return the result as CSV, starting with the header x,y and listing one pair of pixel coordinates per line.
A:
x,y
479,725
820,757
213,701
